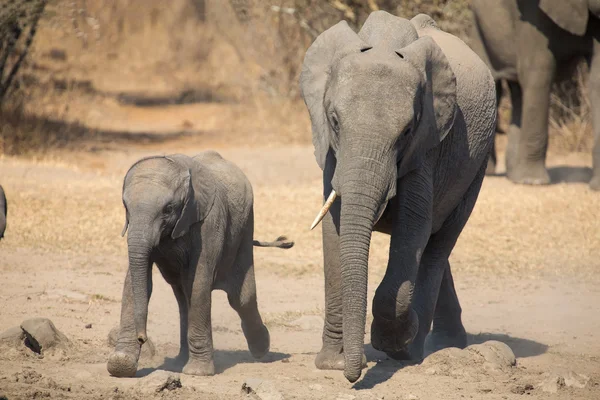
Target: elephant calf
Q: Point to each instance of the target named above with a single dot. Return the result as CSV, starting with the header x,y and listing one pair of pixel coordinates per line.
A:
x,y
193,218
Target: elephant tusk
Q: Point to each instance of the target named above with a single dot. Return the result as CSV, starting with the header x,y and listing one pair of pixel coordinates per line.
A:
x,y
324,210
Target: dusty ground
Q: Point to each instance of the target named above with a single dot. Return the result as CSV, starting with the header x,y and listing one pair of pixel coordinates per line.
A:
x,y
526,270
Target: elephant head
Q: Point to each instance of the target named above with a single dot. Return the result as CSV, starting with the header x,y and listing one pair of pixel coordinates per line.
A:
x,y
163,198
378,102
571,15
3,212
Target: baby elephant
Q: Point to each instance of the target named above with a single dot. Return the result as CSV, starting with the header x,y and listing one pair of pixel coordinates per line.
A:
x,y
193,218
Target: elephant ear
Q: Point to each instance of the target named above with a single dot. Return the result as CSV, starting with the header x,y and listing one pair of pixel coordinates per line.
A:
x,y
570,15
383,29
329,47
199,199
435,114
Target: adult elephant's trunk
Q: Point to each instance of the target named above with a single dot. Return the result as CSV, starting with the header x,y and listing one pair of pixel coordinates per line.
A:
x,y
363,192
139,247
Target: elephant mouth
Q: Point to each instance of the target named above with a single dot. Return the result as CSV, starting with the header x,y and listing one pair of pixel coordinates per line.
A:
x,y
382,209
329,202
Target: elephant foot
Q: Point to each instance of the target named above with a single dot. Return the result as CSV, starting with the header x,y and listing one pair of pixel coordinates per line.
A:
x,y
199,368
122,365
259,341
438,340
394,337
333,358
530,174
595,183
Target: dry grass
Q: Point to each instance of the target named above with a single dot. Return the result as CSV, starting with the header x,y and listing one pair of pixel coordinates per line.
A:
x,y
514,229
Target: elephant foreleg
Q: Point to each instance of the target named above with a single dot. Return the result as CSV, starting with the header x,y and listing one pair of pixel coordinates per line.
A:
x,y
123,361
526,152
183,323
199,333
331,355
434,265
448,330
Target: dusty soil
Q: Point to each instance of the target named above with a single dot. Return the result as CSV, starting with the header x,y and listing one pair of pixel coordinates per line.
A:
x,y
526,270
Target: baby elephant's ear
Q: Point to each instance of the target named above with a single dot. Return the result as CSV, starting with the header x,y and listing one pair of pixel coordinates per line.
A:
x,y
330,46
198,202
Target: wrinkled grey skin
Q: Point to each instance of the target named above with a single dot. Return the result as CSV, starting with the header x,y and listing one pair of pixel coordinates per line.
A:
x,y
193,218
3,212
529,43
403,116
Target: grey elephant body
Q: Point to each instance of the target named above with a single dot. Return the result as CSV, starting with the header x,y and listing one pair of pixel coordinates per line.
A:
x,y
3,212
529,44
193,218
403,118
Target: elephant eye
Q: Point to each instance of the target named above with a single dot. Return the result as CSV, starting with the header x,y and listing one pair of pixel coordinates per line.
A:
x,y
168,209
334,123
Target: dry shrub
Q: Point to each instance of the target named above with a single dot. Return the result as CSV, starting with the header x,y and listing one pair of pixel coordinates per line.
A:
x,y
570,118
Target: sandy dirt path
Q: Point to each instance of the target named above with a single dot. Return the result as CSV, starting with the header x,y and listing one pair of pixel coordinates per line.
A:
x,y
526,269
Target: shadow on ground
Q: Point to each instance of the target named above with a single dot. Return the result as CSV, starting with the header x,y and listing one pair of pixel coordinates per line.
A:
x,y
385,367
24,132
224,359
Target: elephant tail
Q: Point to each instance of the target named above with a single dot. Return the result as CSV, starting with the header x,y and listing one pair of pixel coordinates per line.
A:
x,y
282,242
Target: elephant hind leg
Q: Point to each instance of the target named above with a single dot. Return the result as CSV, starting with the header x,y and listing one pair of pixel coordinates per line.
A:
x,y
241,293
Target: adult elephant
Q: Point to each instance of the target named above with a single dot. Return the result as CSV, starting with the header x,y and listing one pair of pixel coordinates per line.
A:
x,y
403,117
528,43
3,212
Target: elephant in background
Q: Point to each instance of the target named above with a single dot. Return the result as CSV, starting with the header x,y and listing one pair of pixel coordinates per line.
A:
x,y
194,219
527,43
3,212
403,118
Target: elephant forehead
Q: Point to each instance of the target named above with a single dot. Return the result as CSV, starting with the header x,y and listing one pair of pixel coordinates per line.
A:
x,y
373,73
147,193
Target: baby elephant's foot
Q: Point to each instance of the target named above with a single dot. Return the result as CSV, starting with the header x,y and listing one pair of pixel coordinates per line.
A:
x,y
394,337
122,365
332,357
259,341
199,368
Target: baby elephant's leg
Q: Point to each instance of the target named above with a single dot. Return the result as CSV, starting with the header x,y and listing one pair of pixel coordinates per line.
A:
x,y
123,362
241,293
199,328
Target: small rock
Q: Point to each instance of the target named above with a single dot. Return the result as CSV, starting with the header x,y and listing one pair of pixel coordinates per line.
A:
x,y
260,389
315,386
28,376
12,337
308,322
411,397
42,335
555,382
159,381
88,326
148,348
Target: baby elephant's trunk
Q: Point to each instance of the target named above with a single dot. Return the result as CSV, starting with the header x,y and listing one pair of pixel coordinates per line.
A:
x,y
282,242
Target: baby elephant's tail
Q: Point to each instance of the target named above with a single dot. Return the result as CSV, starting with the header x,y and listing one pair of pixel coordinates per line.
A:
x,y
281,242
